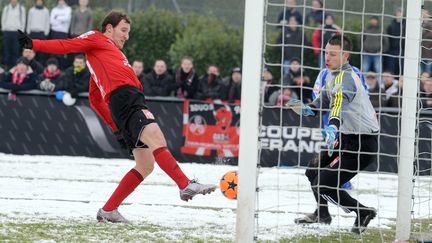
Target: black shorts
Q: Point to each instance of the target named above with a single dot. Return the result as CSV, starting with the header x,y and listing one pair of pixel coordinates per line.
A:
x,y
131,114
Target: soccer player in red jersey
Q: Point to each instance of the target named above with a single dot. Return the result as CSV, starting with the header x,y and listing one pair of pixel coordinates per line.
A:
x,y
116,96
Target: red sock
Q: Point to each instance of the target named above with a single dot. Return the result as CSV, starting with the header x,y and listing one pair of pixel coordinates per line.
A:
x,y
168,164
126,186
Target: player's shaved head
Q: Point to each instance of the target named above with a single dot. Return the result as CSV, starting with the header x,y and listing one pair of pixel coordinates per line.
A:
x,y
114,18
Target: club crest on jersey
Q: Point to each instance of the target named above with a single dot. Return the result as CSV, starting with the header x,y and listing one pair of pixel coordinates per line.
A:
x,y
86,34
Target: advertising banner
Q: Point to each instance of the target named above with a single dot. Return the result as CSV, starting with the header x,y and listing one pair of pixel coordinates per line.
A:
x,y
210,128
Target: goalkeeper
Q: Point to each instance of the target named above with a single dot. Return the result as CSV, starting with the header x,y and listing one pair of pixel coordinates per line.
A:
x,y
352,128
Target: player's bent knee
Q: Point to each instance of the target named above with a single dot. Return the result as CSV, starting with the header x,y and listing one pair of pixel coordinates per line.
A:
x,y
153,136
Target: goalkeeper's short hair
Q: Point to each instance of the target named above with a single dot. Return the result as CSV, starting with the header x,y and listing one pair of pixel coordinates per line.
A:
x,y
343,41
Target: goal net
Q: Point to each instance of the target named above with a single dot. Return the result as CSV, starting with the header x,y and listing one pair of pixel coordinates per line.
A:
x,y
391,44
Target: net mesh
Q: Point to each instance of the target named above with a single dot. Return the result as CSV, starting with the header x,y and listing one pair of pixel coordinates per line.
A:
x,y
295,34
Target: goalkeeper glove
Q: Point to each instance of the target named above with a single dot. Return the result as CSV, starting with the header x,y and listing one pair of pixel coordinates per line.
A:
x,y
330,137
298,107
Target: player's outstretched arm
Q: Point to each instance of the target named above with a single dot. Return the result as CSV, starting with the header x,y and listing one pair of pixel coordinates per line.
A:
x,y
75,45
298,107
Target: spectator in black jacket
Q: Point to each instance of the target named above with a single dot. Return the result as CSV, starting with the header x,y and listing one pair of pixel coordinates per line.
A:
x,y
210,85
76,78
158,82
20,78
289,11
293,40
271,85
138,67
316,15
396,32
302,87
426,95
36,66
186,79
234,86
50,76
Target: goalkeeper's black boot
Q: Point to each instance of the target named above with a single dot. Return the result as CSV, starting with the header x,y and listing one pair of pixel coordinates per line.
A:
x,y
314,218
364,216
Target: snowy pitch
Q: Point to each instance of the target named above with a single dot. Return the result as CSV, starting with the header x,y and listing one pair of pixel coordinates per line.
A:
x,y
73,188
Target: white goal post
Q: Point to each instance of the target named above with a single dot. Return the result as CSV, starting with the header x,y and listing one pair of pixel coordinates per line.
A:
x,y
408,121
249,129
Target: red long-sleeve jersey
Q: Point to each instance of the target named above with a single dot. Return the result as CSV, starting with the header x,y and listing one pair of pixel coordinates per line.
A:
x,y
108,66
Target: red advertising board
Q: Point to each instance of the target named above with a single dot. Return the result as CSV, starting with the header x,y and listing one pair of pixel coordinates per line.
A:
x,y
209,126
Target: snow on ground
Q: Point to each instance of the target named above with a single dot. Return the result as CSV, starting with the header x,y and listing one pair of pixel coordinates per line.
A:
x,y
74,188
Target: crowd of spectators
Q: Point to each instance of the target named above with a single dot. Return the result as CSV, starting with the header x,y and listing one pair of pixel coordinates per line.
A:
x,y
29,74
381,46
382,50
40,23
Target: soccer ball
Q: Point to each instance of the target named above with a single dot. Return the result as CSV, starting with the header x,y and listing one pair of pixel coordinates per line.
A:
x,y
228,184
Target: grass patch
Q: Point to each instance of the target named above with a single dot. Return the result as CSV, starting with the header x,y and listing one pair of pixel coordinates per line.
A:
x,y
371,235
85,230
421,230
28,230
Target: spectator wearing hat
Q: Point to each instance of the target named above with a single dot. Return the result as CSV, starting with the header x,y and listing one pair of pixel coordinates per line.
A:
x,y
13,19
186,79
270,85
19,78
30,54
374,44
376,92
75,79
158,82
211,85
292,39
82,19
234,85
50,76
